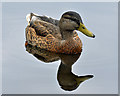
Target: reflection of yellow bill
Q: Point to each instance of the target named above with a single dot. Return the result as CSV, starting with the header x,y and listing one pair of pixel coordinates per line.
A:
x,y
83,78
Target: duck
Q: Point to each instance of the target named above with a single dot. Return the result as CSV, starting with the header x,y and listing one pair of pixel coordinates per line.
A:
x,y
58,36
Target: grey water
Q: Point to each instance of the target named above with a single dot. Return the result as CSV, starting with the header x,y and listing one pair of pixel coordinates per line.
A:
x,y
25,74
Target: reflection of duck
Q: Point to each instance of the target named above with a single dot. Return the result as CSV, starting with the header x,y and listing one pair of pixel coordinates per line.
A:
x,y
66,79
41,54
56,36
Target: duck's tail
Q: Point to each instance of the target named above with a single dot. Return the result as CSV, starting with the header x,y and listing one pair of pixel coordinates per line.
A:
x,y
31,17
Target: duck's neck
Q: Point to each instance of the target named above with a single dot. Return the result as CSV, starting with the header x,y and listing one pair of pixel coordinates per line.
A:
x,y
67,34
64,68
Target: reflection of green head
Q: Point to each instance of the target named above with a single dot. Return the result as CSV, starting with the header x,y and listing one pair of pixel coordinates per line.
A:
x,y
69,81
75,82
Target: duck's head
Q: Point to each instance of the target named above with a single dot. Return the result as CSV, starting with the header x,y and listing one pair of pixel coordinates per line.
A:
x,y
72,81
72,21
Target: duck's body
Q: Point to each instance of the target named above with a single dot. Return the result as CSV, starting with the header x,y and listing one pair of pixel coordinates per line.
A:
x,y
54,35
53,43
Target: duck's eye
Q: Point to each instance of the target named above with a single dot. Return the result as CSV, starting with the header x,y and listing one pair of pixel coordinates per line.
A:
x,y
83,27
73,19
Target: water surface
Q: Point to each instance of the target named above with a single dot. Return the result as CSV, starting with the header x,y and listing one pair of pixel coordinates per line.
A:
x,y
24,74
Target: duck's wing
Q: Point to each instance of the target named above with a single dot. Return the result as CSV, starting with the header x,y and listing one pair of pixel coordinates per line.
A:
x,y
45,25
49,19
42,27
49,42
43,18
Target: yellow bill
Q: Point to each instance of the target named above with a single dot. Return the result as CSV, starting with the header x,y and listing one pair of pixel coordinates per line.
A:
x,y
85,31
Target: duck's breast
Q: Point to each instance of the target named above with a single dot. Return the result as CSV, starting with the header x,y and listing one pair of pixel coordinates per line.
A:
x,y
72,46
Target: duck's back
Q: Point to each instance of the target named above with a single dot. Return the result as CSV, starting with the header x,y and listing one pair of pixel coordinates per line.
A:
x,y
44,28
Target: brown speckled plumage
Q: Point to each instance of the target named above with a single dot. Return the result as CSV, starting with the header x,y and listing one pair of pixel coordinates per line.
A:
x,y
47,36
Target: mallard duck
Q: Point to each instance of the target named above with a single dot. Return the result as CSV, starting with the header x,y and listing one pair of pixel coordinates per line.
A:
x,y
57,36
